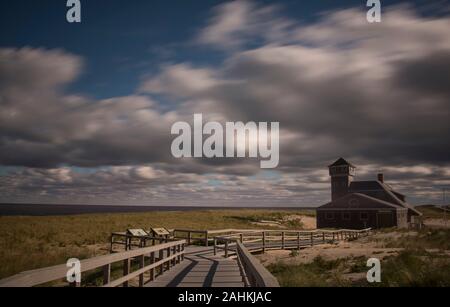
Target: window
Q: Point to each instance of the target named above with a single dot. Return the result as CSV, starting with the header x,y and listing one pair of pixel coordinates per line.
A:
x,y
329,215
346,216
363,216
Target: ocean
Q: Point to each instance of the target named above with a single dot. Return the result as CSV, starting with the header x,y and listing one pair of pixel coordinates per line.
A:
x,y
53,209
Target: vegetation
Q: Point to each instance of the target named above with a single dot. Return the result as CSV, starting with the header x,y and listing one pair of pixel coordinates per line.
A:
x,y
410,268
424,239
33,242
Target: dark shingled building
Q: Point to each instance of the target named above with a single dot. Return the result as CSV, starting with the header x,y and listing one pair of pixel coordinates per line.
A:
x,y
363,204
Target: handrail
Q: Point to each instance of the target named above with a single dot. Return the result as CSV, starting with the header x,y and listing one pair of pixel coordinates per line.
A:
x,y
174,254
254,273
285,239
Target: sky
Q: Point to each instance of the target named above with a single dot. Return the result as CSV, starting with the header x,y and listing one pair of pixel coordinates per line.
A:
x,y
86,108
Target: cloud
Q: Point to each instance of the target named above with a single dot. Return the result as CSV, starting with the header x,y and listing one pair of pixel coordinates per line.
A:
x,y
235,23
377,94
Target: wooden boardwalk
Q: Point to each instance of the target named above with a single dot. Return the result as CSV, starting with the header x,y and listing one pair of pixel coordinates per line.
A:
x,y
184,265
201,268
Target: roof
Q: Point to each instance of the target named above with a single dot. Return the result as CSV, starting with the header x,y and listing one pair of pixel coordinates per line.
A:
x,y
359,201
356,186
341,162
381,191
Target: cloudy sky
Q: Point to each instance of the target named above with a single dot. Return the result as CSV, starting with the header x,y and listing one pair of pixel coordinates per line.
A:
x,y
86,109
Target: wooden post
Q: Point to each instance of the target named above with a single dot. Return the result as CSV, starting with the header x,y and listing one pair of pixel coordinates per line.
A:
x,y
161,257
152,271
189,238
226,248
111,241
182,249
312,239
323,235
168,262
141,266
126,270
215,246
298,240
106,274
241,236
282,240
206,238
264,241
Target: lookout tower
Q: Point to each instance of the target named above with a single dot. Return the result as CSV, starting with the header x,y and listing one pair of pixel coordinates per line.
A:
x,y
342,173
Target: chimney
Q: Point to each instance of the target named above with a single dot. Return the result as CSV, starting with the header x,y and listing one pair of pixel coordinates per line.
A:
x,y
380,177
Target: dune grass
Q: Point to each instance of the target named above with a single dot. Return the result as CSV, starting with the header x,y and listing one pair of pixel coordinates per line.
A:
x,y
33,242
410,268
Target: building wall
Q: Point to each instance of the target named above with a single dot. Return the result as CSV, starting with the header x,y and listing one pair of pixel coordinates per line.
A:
x,y
356,219
402,218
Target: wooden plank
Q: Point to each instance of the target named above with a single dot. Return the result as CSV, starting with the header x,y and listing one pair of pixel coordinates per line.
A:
x,y
45,275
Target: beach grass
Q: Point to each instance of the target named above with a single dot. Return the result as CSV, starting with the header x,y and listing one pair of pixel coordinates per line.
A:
x,y
34,242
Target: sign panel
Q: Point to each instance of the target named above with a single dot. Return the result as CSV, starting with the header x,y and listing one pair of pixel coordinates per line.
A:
x,y
137,232
161,231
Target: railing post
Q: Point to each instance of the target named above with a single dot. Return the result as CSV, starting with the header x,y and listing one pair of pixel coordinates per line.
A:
x,y
206,238
111,242
141,266
106,274
323,235
215,246
226,248
282,240
189,238
126,270
161,257
168,261
183,246
241,237
298,240
312,239
264,241
152,271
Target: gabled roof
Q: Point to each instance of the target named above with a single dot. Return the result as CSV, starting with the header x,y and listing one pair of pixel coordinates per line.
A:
x,y
358,186
341,162
382,191
358,201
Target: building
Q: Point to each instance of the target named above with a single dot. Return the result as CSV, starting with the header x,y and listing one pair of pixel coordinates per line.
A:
x,y
363,204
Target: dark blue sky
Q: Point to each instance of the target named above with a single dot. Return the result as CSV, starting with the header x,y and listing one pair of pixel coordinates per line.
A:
x,y
122,40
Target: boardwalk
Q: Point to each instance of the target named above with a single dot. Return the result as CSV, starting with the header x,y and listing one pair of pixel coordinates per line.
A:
x,y
186,265
201,268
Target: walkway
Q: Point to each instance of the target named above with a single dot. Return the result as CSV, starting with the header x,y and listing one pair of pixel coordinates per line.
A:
x,y
201,268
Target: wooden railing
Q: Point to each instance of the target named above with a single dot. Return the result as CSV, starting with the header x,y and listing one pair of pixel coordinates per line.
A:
x,y
159,258
254,274
202,236
262,240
